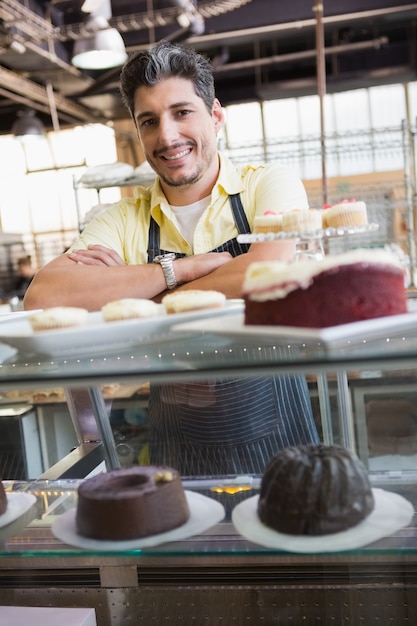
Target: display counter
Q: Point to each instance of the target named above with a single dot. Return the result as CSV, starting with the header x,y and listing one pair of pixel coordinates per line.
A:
x,y
219,576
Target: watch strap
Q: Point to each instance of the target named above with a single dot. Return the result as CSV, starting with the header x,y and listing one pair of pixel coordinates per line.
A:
x,y
166,262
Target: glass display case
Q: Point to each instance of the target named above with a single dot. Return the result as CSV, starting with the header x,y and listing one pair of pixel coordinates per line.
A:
x,y
362,383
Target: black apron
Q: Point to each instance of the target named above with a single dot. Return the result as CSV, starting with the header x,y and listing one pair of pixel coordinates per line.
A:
x,y
228,425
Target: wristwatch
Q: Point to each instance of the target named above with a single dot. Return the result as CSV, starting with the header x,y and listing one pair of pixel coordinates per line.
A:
x,y
165,261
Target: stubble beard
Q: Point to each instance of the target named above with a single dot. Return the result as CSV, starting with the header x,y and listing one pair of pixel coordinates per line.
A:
x,y
196,175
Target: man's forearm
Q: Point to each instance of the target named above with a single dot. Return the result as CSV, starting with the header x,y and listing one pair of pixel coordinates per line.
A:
x,y
91,281
91,286
229,278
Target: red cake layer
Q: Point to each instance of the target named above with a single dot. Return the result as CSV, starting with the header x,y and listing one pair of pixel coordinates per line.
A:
x,y
342,294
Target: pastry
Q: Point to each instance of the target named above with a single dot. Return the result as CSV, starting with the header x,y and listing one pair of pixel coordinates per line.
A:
x,y
129,308
350,287
314,490
56,318
193,300
132,502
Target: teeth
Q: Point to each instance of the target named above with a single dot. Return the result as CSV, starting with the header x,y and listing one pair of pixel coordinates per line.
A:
x,y
177,156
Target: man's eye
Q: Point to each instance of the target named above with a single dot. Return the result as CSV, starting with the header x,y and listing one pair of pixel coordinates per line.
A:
x,y
183,112
147,123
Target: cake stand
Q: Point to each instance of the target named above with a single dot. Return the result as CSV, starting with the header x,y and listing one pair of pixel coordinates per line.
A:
x,y
309,244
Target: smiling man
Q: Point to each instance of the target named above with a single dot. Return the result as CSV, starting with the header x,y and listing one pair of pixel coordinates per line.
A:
x,y
181,233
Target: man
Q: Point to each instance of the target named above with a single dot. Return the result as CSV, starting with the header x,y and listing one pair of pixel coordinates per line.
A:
x,y
25,274
198,205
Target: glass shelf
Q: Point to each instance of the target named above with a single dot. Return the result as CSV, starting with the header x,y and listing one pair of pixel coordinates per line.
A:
x,y
55,498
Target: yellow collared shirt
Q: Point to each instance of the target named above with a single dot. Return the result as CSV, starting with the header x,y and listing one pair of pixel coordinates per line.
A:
x,y
125,226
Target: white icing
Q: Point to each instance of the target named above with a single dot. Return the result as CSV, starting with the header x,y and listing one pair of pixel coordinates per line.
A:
x,y
346,213
299,220
58,316
356,205
274,280
193,299
130,307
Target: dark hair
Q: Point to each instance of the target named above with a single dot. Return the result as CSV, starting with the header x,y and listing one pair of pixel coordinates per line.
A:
x,y
24,260
166,60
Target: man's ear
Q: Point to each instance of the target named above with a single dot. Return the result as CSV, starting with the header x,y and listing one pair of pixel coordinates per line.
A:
x,y
218,115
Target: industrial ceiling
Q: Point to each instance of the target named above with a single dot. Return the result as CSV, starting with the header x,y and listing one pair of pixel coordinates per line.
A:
x,y
260,49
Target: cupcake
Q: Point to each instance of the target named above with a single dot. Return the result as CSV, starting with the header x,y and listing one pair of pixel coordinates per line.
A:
x,y
57,318
346,213
130,308
193,300
302,221
269,222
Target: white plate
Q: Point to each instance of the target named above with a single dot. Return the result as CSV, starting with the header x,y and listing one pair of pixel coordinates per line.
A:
x,y
391,513
19,509
233,326
98,336
204,513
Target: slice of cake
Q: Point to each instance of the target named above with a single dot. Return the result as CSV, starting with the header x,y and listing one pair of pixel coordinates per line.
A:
x,y
314,490
357,285
129,503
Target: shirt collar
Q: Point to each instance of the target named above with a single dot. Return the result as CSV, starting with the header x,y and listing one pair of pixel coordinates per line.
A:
x,y
228,180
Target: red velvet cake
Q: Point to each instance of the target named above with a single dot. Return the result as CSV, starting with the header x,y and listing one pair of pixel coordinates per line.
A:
x,y
354,286
314,490
129,503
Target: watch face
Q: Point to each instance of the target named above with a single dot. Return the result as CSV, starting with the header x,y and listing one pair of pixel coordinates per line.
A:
x,y
160,257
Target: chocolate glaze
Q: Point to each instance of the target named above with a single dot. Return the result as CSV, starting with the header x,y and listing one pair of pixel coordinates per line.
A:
x,y
314,490
130,503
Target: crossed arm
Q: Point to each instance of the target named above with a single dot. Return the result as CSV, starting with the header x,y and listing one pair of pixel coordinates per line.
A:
x,y
91,278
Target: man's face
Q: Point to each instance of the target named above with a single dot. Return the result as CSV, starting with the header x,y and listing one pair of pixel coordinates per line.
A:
x,y
177,132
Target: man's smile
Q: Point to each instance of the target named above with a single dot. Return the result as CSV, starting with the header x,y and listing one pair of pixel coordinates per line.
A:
x,y
176,156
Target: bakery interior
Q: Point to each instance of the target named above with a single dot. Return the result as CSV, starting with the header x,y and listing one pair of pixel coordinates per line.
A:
x,y
327,87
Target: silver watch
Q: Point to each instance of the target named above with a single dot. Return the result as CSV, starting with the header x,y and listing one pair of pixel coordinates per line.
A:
x,y
165,261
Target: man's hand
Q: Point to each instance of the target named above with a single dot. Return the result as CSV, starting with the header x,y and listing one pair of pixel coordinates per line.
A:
x,y
96,255
192,267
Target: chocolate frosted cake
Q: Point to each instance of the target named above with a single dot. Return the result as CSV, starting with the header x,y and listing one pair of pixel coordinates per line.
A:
x,y
314,490
130,503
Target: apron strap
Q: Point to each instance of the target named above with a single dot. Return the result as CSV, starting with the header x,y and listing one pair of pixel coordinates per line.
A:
x,y
239,217
239,214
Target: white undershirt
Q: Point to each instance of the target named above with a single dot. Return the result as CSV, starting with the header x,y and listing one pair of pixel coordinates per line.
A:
x,y
188,216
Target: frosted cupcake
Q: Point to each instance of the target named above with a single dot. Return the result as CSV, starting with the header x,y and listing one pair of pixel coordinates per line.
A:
x,y
302,221
193,300
57,318
130,308
269,222
346,213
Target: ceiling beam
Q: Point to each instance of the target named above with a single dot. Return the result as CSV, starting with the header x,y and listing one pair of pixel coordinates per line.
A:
x,y
37,94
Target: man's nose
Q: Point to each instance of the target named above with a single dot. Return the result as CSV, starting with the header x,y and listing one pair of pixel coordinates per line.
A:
x,y
168,130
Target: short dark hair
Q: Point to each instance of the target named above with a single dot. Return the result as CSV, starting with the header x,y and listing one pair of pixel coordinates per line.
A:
x,y
162,61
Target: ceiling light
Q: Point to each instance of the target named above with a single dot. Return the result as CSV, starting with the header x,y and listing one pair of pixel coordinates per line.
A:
x,y
102,50
28,125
